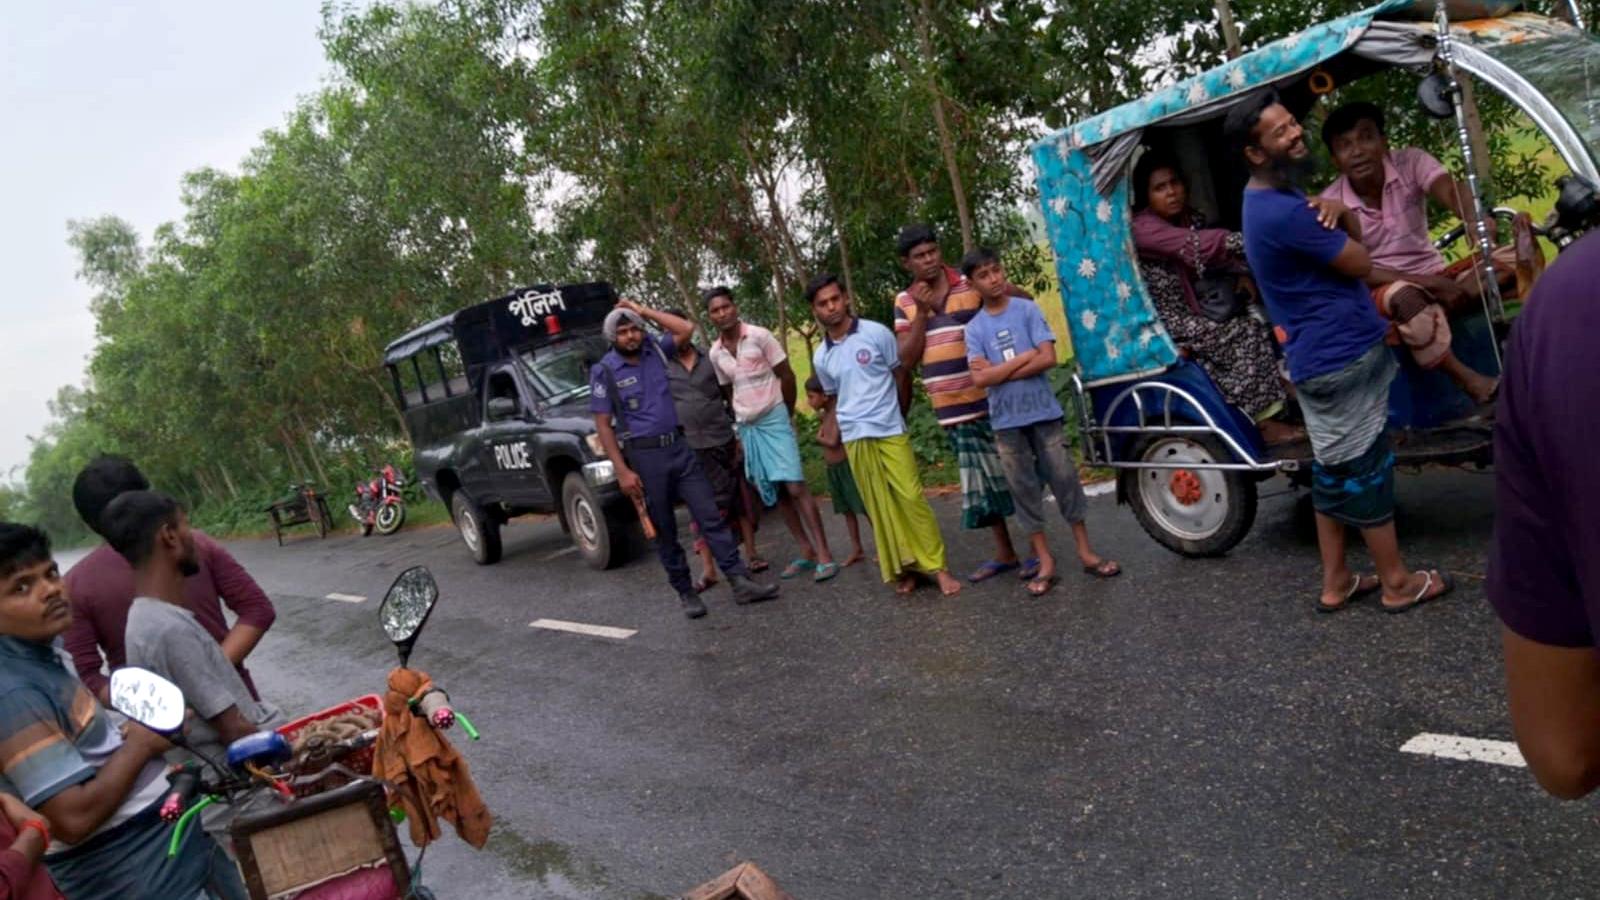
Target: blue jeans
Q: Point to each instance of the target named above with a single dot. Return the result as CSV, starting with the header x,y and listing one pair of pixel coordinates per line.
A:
x,y
130,862
1034,456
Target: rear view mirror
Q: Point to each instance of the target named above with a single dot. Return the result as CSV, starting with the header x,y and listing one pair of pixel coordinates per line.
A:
x,y
406,607
502,408
1434,94
148,699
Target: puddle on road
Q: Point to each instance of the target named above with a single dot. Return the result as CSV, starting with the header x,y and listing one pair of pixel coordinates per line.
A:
x,y
555,867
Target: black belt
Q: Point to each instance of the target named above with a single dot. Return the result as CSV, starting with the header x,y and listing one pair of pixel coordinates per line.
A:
x,y
652,443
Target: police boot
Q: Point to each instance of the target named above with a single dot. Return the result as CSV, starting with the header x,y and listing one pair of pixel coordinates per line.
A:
x,y
748,590
692,607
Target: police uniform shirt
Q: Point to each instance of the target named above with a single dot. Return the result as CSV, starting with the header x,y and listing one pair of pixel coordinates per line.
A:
x,y
642,400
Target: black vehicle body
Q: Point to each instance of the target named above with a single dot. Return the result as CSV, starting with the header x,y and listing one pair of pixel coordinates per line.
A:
x,y
495,398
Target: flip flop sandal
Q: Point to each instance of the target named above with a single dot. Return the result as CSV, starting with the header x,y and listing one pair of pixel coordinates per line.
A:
x,y
1030,569
990,569
796,567
1356,592
1105,568
1446,585
1038,587
825,571
757,565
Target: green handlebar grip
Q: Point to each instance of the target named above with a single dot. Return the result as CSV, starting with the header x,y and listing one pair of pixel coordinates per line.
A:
x,y
397,814
183,822
466,725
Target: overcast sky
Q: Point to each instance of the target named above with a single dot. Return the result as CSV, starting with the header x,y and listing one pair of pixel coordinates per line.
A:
x,y
107,104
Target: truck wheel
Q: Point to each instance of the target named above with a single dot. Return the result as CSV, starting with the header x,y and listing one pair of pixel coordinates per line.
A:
x,y
601,538
479,532
1193,512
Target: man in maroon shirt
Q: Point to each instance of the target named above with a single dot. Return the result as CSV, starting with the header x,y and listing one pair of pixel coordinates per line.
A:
x,y
101,587
1544,566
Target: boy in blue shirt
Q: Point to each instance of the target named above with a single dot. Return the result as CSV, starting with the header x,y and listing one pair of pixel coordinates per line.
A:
x,y
1010,350
1308,260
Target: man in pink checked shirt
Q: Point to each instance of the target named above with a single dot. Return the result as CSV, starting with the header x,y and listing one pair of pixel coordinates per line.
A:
x,y
101,588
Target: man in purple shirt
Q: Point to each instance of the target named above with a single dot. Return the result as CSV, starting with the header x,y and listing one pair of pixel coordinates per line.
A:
x,y
1544,565
101,587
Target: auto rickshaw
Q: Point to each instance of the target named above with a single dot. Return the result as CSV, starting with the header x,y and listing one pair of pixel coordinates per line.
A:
x,y
1188,463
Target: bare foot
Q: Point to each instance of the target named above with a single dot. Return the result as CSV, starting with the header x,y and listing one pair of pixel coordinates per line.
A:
x,y
907,584
948,586
856,555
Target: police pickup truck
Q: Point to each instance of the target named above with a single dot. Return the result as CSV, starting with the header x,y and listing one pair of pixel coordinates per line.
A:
x,y
496,400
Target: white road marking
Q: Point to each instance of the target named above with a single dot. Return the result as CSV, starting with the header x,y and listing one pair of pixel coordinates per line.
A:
x,y
570,548
1450,746
1100,488
347,598
605,631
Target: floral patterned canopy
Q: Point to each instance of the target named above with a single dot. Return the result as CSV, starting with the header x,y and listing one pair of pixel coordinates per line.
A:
x,y
1083,189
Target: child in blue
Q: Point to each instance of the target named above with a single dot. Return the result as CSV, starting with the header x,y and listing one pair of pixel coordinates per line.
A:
x,y
1011,350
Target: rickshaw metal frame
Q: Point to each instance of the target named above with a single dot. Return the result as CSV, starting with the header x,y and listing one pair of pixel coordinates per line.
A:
x,y
1097,437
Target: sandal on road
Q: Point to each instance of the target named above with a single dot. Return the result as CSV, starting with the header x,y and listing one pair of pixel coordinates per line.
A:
x,y
1360,586
797,568
1042,584
1105,568
825,571
990,569
1030,569
1435,584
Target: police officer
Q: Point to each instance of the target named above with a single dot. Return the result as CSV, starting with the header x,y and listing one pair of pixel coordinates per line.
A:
x,y
650,454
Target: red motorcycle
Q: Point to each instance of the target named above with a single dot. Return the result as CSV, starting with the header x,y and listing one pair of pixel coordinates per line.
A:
x,y
379,503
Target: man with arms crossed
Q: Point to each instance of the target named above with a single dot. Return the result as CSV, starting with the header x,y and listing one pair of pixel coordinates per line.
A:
x,y
1309,272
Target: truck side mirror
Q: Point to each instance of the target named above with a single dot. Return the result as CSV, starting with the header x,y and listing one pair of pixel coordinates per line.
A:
x,y
503,408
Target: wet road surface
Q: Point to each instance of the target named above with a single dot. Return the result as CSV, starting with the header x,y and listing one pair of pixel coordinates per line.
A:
x,y
1190,729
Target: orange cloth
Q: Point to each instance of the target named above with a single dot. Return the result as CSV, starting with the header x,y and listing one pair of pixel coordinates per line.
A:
x,y
415,757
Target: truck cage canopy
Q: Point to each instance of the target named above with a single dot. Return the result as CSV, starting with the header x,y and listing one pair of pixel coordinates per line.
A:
x,y
1082,170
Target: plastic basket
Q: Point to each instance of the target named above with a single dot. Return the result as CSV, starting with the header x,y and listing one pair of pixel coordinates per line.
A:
x,y
358,760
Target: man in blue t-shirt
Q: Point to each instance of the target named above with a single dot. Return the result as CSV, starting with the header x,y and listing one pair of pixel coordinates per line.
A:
x,y
1010,349
652,458
1308,261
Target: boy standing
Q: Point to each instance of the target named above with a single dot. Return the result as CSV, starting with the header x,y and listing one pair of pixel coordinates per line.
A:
x,y
1010,348
841,484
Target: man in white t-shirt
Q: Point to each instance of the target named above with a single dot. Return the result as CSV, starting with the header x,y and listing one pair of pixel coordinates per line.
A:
x,y
753,369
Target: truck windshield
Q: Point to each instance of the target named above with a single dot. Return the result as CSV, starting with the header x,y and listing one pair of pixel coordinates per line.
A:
x,y
559,373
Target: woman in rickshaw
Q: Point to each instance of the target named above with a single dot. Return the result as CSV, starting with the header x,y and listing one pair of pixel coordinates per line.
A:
x,y
1178,258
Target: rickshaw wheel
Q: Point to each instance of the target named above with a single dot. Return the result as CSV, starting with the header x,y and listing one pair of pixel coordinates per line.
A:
x,y
1193,512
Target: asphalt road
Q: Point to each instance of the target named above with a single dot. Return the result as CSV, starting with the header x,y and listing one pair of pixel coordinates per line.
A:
x,y
1191,729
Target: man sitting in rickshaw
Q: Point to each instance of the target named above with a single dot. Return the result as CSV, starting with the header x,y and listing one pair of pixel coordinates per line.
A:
x,y
1388,191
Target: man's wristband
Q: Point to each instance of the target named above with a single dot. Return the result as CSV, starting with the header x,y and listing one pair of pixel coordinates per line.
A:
x,y
39,826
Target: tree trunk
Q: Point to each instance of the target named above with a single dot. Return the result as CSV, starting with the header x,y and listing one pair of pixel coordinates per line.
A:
x,y
311,452
838,231
227,479
947,144
1230,31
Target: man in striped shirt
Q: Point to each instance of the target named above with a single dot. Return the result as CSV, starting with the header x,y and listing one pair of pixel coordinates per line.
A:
x,y
930,318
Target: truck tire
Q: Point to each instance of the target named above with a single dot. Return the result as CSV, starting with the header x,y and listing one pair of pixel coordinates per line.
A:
x,y
1192,512
479,531
601,536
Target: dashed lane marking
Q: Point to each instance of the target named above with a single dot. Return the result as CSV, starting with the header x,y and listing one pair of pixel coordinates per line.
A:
x,y
348,598
1450,746
605,631
570,548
